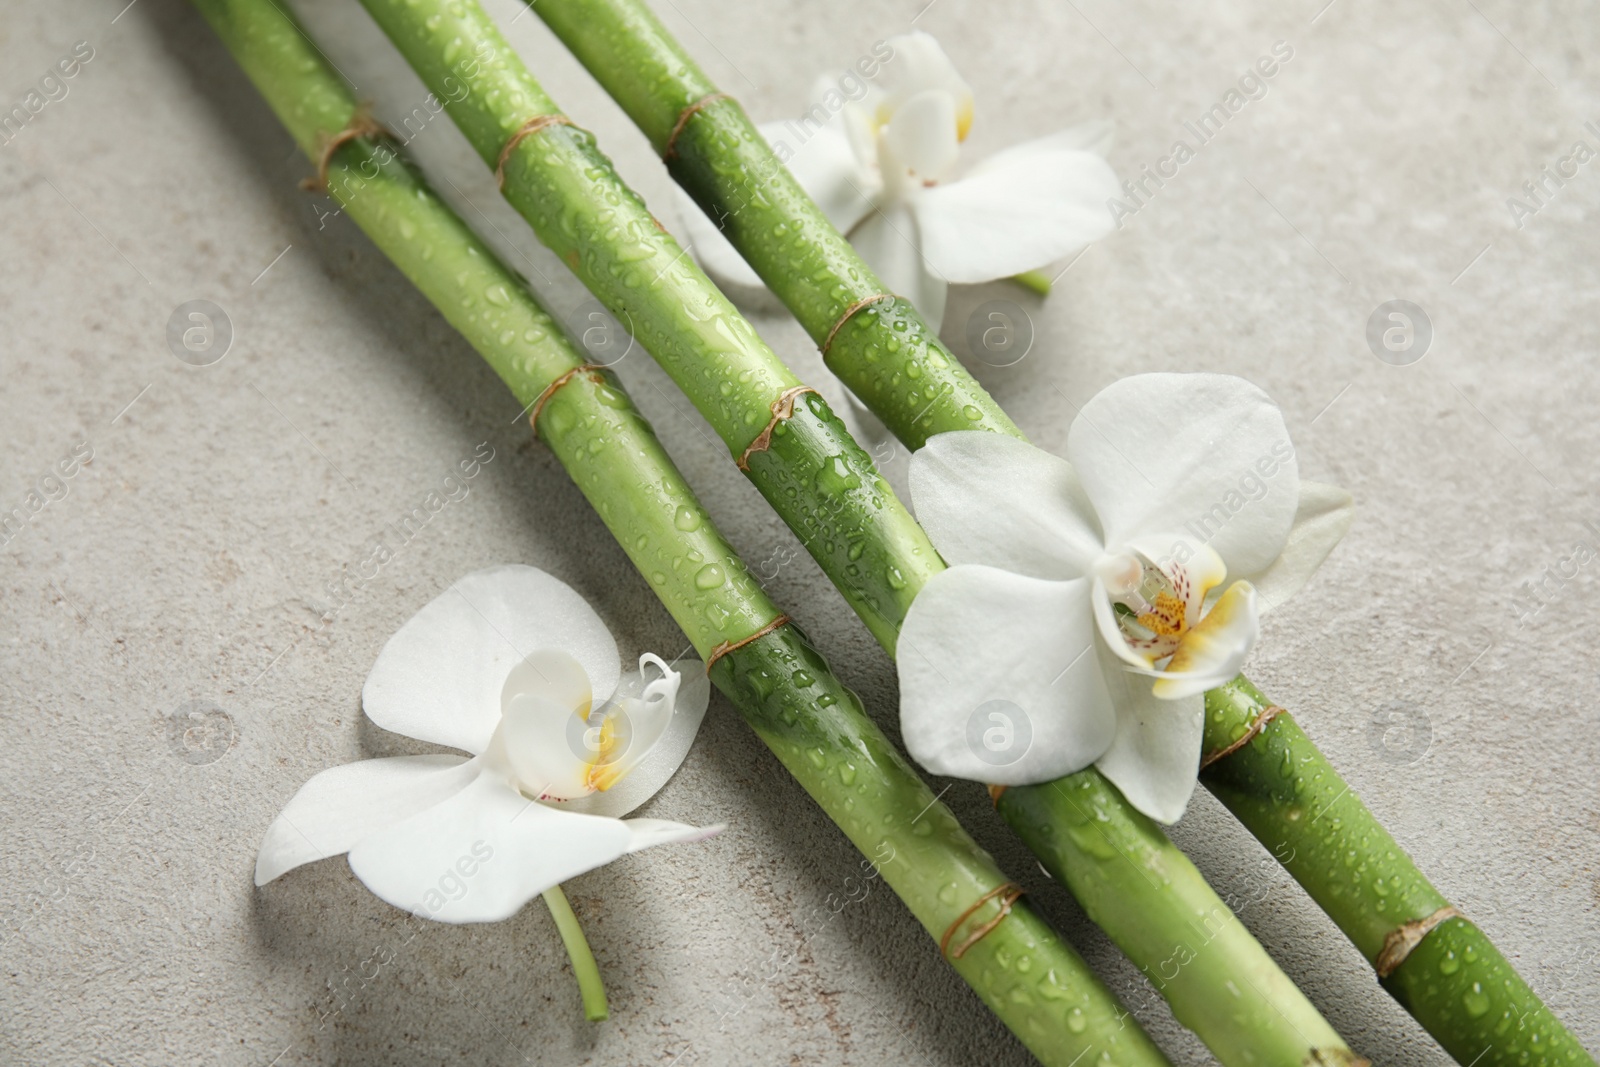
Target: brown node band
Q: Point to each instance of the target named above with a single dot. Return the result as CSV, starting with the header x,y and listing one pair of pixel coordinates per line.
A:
x,y
527,129
684,116
1008,892
733,646
995,792
1268,713
550,390
1402,939
1336,1057
782,409
848,312
361,124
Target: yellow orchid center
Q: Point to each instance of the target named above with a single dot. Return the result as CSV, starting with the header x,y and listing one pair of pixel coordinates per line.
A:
x,y
1167,617
607,742
963,119
1158,607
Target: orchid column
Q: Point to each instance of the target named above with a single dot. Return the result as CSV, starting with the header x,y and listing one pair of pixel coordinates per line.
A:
x,y
1257,759
815,726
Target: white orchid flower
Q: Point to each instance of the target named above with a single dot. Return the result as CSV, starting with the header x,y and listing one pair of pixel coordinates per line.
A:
x,y
1084,612
880,159
510,665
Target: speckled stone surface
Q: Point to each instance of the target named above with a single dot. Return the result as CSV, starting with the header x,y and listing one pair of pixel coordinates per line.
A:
x,y
186,570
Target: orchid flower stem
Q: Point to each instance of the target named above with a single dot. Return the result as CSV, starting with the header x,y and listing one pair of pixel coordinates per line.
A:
x,y
1278,784
1033,981
1036,280
583,965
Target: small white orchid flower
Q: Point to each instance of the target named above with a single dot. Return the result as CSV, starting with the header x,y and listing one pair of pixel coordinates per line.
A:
x,y
510,665
1073,583
879,158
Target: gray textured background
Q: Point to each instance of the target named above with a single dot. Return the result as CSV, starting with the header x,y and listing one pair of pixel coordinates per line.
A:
x,y
191,560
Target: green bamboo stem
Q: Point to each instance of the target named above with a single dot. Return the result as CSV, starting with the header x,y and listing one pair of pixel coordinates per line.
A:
x,y
1030,978
1105,863
887,355
1455,982
578,206
1481,1011
590,987
813,474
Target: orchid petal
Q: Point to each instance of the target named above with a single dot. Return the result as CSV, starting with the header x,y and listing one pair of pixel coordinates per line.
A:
x,y
1204,453
1021,210
921,138
341,805
888,240
919,64
662,736
859,124
989,498
1214,649
998,680
1321,520
483,853
439,678
1155,756
649,832
549,674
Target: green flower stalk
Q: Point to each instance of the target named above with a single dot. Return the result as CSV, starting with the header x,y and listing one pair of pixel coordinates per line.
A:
x,y
1276,782
827,490
817,728
584,969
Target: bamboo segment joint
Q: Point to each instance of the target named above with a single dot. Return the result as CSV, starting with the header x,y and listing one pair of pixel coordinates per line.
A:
x,y
1268,713
1401,940
1336,1057
683,120
1008,894
848,312
549,390
733,646
361,124
782,410
527,129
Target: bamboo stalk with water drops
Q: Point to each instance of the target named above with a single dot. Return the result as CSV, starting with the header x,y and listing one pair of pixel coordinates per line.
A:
x,y
782,687
1436,963
805,463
